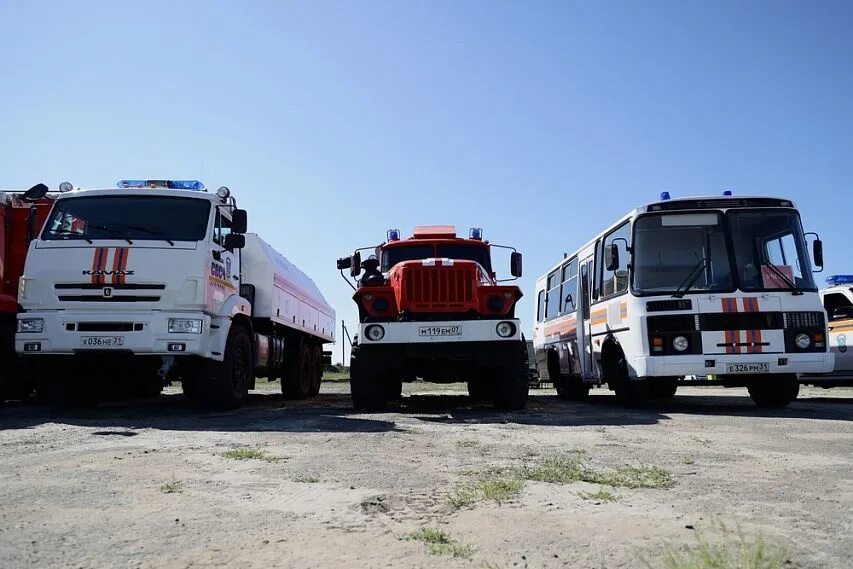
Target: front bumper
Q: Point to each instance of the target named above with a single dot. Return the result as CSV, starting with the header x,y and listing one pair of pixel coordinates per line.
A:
x,y
447,331
679,366
149,334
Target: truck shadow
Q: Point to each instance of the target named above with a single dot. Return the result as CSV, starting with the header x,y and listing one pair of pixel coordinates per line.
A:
x,y
261,413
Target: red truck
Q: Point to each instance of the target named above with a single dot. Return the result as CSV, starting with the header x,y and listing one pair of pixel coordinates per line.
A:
x,y
431,307
22,215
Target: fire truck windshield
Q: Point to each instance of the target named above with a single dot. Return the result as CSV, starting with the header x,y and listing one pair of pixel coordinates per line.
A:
x,y
155,218
477,253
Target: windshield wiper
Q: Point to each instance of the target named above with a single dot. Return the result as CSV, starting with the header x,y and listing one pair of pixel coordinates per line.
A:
x,y
74,233
692,276
795,290
114,231
152,232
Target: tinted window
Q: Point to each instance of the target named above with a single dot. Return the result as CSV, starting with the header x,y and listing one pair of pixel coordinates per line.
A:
x,y
466,252
141,218
552,304
835,300
392,256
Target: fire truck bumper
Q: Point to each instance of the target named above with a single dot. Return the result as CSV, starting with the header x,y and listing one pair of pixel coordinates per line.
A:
x,y
730,365
67,333
446,332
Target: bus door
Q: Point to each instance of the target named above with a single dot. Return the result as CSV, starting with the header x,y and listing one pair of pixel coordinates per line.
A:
x,y
584,326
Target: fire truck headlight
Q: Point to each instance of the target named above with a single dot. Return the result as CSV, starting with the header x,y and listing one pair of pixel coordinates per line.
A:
x,y
223,193
680,343
184,326
65,187
505,329
374,332
495,303
803,341
30,325
380,304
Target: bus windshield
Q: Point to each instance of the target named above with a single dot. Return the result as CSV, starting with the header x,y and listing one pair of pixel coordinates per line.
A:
x,y
679,253
128,217
394,255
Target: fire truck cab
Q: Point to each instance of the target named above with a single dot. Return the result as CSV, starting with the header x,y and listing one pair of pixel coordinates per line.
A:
x,y
431,307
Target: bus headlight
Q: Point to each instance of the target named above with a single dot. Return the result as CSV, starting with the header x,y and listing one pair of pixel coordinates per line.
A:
x,y
374,332
184,326
803,341
680,343
505,329
30,325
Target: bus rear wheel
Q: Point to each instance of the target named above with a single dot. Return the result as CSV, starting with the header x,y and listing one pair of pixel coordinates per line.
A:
x,y
774,391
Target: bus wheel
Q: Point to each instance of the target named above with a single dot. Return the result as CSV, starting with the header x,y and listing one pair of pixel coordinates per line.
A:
x,y
629,392
663,388
571,389
774,391
366,386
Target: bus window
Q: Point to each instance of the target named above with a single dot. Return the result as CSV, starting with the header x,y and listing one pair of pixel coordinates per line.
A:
x,y
569,287
596,280
552,304
540,307
611,284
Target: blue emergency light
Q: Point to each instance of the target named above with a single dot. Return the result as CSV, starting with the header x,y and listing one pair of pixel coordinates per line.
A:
x,y
839,280
727,192
169,184
393,235
664,196
476,233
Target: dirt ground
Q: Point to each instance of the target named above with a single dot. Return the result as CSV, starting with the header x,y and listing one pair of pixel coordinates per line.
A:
x,y
311,484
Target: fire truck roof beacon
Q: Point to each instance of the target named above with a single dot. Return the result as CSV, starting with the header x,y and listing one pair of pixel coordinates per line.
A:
x,y
66,187
839,280
476,233
727,192
393,235
169,184
664,196
223,192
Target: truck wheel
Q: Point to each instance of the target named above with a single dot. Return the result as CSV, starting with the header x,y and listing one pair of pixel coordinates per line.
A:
x,y
228,386
366,386
64,387
480,389
662,388
298,374
317,367
393,388
511,387
774,392
571,389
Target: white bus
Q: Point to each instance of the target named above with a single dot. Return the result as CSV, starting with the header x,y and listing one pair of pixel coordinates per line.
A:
x,y
701,290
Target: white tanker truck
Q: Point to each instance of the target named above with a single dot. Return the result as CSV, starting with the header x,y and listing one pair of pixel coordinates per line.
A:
x,y
158,281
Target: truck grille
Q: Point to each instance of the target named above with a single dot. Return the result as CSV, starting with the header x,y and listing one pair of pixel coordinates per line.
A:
x,y
95,292
427,288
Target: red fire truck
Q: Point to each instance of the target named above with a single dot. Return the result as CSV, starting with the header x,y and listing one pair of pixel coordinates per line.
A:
x,y
431,307
21,216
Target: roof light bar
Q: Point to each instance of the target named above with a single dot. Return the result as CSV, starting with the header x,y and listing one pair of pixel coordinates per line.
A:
x,y
476,233
727,192
393,235
664,196
169,184
839,279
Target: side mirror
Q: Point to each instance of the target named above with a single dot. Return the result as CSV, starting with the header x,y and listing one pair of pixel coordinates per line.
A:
x,y
239,221
817,253
611,257
515,264
344,263
35,193
355,264
234,241
842,313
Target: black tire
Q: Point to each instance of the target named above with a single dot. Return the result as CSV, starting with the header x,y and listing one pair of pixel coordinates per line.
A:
x,y
480,388
317,367
13,381
298,378
571,389
511,386
629,392
366,386
393,387
228,385
67,385
774,391
663,388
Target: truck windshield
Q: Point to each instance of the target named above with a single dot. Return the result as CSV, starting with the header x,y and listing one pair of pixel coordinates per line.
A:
x,y
128,217
394,255
681,251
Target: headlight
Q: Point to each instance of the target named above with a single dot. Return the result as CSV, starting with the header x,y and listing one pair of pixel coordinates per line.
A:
x,y
803,340
380,304
28,325
495,303
505,329
680,343
374,332
184,326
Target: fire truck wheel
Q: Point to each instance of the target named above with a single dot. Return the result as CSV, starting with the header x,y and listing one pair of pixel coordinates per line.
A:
x,y
366,386
511,387
663,388
228,386
317,368
296,383
66,386
393,387
571,389
774,392
480,389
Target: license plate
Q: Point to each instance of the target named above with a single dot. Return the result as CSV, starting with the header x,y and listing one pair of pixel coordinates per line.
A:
x,y
101,341
432,331
748,368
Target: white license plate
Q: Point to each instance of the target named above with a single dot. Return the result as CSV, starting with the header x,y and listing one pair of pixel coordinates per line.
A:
x,y
748,368
101,341
432,331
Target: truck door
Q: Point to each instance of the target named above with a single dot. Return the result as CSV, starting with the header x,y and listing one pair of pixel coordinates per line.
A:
x,y
584,332
224,278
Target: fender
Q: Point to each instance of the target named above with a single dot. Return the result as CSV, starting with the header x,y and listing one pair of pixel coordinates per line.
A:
x,y
220,324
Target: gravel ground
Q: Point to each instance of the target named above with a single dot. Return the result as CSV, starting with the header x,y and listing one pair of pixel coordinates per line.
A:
x,y
311,484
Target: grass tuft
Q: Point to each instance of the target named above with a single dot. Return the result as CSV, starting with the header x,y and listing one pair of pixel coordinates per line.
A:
x,y
600,495
738,553
172,487
492,489
307,479
687,460
568,469
439,542
248,454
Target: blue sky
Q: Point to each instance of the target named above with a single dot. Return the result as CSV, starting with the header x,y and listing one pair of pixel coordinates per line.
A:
x,y
541,122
